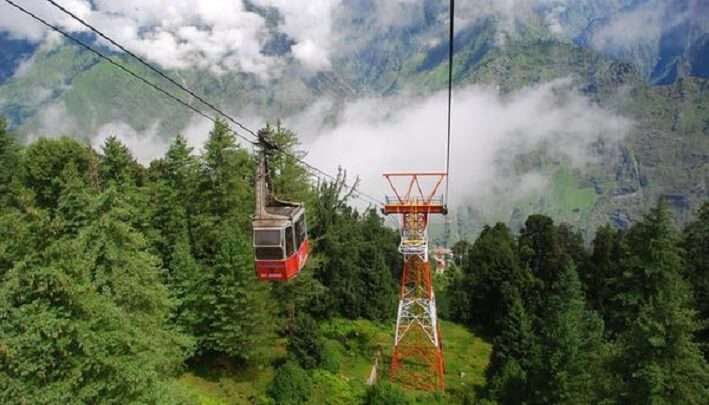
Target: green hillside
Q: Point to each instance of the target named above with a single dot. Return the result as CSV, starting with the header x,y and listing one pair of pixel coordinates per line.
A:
x,y
354,346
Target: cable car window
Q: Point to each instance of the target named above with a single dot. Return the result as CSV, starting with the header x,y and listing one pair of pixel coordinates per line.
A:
x,y
269,253
300,232
289,241
267,237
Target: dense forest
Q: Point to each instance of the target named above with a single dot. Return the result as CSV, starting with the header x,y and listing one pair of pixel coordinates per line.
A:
x,y
115,278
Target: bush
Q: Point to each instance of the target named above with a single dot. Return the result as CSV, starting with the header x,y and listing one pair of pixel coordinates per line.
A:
x,y
305,345
331,357
384,393
291,385
332,389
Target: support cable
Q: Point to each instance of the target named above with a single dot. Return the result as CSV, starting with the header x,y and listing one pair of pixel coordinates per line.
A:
x,y
314,170
450,92
151,66
118,65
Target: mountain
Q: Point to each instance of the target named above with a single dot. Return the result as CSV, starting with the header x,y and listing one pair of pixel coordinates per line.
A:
x,y
658,80
14,51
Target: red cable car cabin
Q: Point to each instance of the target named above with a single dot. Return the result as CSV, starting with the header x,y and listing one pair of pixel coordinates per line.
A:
x,y
280,231
281,245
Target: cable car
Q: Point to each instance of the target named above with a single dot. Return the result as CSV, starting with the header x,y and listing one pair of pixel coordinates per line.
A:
x,y
279,227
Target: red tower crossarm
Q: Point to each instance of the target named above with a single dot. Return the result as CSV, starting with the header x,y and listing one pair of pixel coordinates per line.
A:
x,y
417,356
410,202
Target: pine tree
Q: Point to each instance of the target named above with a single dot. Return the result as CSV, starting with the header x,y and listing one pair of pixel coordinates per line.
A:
x,y
64,340
514,351
696,245
238,302
491,262
181,165
540,249
44,160
117,164
225,191
9,164
658,361
74,203
602,276
305,344
569,364
291,179
189,289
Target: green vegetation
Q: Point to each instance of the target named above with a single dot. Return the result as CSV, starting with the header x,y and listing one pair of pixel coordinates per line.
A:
x,y
355,344
127,284
613,325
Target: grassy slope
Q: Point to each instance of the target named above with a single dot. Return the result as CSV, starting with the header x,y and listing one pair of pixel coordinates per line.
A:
x,y
355,344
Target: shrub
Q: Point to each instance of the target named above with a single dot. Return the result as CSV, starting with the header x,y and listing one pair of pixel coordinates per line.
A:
x,y
291,385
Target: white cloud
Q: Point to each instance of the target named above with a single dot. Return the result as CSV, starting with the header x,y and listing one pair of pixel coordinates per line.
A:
x,y
219,35
310,24
21,26
54,121
144,146
374,136
637,26
311,55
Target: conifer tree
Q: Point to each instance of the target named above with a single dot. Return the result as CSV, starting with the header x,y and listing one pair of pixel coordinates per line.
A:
x,y
602,277
66,340
225,191
696,245
117,163
568,368
305,344
9,164
514,351
491,262
188,284
238,303
74,202
44,160
658,360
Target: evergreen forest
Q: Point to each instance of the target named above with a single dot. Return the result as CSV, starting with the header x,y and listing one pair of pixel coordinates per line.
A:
x,y
122,283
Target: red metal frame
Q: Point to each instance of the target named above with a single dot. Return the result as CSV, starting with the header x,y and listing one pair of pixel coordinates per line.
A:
x,y
417,357
415,200
283,270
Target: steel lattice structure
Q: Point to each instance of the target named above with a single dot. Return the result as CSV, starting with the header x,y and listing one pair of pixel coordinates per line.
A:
x,y
417,356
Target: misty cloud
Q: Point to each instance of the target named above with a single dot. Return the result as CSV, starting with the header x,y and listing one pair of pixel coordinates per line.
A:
x,y
405,133
145,146
634,26
374,136
218,35
228,35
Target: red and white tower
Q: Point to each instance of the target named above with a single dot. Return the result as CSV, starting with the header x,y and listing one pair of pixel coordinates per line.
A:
x,y
417,357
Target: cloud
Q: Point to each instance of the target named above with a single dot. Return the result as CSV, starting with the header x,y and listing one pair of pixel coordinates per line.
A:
x,y
374,136
230,35
218,35
640,25
20,26
145,146
53,121
310,24
311,55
